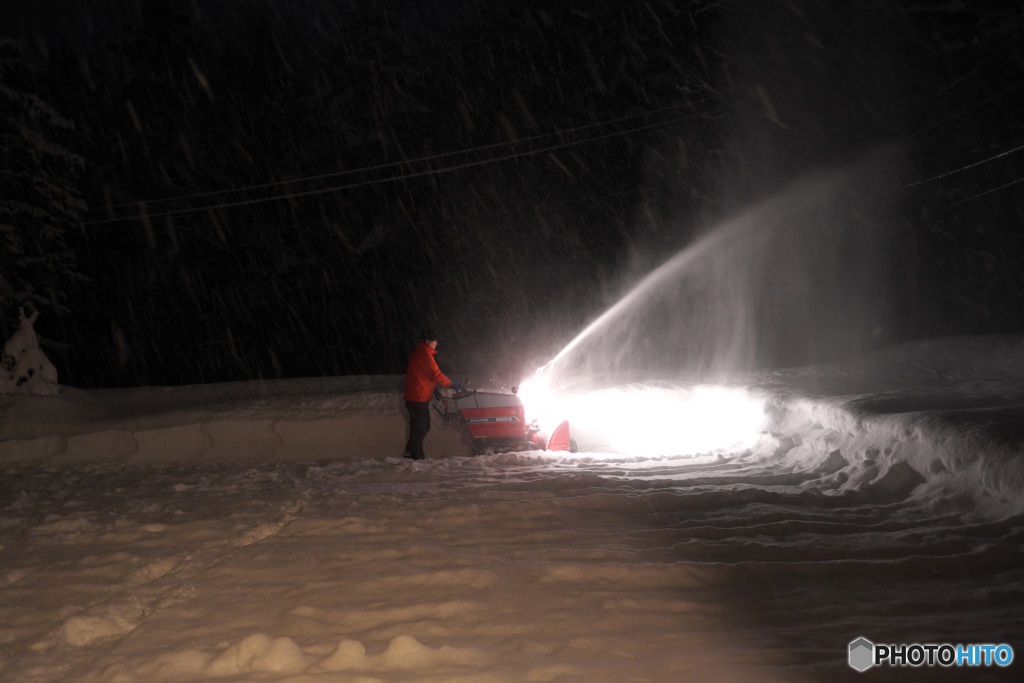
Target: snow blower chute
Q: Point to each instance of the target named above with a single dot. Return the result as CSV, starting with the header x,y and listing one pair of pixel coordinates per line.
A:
x,y
498,422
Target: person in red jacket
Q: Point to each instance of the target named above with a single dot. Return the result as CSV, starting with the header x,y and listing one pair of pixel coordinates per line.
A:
x,y
421,376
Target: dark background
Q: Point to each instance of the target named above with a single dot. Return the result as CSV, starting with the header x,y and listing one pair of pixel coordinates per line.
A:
x,y
659,119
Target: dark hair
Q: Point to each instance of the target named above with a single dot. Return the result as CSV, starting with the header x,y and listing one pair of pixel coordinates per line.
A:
x,y
428,335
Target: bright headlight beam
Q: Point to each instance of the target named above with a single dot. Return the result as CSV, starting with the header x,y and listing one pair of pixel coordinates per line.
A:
x,y
653,420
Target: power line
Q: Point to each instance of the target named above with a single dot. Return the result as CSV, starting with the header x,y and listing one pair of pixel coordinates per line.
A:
x,y
964,168
398,163
982,194
406,176
468,151
964,111
535,206
384,229
151,312
519,209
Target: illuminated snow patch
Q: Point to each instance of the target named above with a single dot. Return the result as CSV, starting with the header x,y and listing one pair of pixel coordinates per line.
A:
x,y
650,420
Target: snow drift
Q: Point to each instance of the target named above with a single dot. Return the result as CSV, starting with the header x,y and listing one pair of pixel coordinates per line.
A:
x,y
272,420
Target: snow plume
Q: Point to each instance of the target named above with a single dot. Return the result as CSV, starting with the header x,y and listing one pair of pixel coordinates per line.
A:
x,y
797,279
26,369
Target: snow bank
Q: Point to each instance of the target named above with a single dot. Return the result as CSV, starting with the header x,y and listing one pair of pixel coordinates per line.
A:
x,y
940,421
280,420
862,458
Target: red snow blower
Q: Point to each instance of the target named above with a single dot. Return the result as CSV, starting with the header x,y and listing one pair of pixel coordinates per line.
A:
x,y
498,422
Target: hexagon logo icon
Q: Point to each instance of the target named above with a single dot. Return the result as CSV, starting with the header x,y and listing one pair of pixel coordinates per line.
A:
x,y
862,654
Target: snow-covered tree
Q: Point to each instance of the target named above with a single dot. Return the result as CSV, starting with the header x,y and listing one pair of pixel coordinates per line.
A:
x,y
39,197
26,369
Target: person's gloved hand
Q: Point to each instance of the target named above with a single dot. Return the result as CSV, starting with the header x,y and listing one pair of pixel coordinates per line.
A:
x,y
458,388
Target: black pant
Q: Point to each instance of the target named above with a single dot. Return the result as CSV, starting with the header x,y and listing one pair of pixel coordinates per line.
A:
x,y
419,425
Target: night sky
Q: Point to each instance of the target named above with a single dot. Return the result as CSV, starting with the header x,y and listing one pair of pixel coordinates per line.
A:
x,y
286,189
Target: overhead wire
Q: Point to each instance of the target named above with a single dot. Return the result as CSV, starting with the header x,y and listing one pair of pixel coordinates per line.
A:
x,y
391,179
982,194
520,209
967,109
145,215
964,168
162,311
392,164
983,161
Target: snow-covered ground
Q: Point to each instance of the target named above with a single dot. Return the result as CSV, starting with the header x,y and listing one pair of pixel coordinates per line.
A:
x,y
884,499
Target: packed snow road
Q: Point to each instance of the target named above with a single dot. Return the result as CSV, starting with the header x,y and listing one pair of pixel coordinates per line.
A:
x,y
530,567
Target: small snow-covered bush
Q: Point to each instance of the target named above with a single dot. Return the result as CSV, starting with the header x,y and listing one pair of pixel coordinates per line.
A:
x,y
26,369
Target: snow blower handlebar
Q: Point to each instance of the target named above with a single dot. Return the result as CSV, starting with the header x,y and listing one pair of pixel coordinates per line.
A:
x,y
462,389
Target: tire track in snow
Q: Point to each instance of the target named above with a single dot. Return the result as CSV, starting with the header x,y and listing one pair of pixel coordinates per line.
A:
x,y
98,627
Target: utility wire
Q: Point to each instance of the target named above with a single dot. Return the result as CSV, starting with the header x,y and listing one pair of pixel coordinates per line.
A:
x,y
150,312
480,214
982,194
521,209
964,168
398,163
406,176
468,151
964,111
478,163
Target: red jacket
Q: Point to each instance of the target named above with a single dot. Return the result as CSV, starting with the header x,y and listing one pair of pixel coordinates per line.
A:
x,y
422,374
